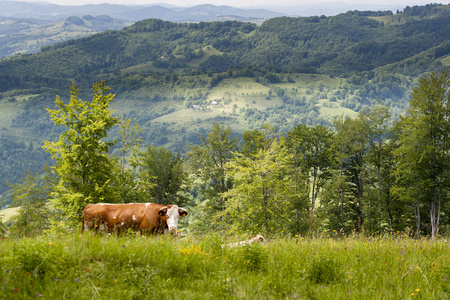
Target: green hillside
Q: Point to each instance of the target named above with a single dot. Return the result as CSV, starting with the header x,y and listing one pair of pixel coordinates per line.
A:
x,y
7,213
286,72
339,45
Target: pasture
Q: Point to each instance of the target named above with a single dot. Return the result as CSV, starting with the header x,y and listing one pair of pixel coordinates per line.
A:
x,y
7,213
325,266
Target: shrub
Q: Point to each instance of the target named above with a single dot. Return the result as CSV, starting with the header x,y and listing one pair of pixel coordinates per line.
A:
x,y
254,256
323,270
212,243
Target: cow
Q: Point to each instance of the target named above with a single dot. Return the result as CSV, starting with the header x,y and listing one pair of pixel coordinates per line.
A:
x,y
141,217
258,238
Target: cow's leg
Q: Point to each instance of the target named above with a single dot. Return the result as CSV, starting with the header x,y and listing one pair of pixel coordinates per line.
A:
x,y
117,230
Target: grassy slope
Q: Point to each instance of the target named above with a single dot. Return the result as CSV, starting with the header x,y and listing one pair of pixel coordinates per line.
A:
x,y
244,93
106,267
9,110
446,60
234,95
8,213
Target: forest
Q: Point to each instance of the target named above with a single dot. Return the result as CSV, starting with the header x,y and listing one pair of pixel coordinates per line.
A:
x,y
286,72
368,175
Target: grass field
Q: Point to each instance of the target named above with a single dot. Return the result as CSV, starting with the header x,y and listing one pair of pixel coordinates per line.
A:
x,y
446,60
324,267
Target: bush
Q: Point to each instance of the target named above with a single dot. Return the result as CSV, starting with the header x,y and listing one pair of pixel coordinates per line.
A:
x,y
212,243
323,270
254,256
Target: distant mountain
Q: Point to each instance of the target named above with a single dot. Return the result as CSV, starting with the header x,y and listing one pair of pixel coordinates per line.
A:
x,y
20,35
211,12
16,9
26,27
134,13
142,13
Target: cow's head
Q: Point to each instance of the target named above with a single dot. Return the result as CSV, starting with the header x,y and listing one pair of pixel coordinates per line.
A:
x,y
172,212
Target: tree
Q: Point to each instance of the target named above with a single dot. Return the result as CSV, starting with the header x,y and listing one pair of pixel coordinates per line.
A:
x,y
300,193
375,125
356,167
338,199
311,147
395,208
31,195
82,156
208,161
165,172
423,144
130,139
133,188
261,198
256,140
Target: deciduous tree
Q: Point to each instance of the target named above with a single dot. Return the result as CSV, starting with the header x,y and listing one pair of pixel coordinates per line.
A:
x,y
375,124
82,155
423,151
165,172
261,199
208,161
31,195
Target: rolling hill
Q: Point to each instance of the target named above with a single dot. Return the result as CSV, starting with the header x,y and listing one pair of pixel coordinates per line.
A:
x,y
176,79
204,12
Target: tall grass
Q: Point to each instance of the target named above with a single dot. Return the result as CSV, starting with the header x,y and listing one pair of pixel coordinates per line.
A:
x,y
90,266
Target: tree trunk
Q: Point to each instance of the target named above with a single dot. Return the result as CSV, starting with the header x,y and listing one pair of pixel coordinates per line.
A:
x,y
379,190
433,196
297,219
341,195
360,199
313,196
223,204
417,213
388,203
433,214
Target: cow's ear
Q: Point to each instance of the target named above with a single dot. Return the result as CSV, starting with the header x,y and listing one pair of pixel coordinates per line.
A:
x,y
162,211
182,212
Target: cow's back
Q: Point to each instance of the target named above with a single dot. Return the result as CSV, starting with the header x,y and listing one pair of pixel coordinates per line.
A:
x,y
141,217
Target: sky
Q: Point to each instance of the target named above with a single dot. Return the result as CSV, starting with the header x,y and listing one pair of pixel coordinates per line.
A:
x,y
247,3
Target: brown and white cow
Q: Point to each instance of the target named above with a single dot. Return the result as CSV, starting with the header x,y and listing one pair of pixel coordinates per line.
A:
x,y
142,217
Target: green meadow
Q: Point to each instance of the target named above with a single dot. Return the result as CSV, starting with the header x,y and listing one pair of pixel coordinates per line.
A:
x,y
7,213
325,266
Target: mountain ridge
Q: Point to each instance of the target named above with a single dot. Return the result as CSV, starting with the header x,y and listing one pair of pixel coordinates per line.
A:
x,y
131,13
